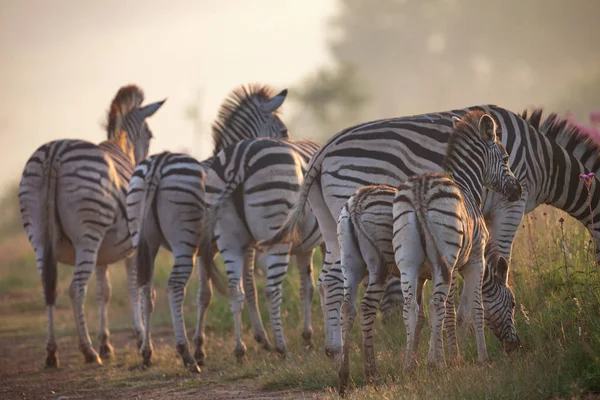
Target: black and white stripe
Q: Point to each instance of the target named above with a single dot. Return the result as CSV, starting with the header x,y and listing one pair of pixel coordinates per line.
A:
x,y
250,189
165,205
388,151
428,218
72,199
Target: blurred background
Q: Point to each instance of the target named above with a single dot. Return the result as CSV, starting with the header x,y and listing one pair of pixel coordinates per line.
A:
x,y
344,61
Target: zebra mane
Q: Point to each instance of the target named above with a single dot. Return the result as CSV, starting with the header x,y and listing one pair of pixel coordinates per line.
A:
x,y
562,130
127,98
467,126
240,98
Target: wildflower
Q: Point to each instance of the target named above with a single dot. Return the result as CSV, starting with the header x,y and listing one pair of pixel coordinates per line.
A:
x,y
561,220
587,178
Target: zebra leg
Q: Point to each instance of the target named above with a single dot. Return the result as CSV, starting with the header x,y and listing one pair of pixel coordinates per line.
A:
x,y
180,274
233,267
205,292
352,279
421,309
277,260
411,312
368,314
50,298
103,294
134,298
392,302
307,289
331,290
473,274
450,322
252,299
144,262
437,310
85,260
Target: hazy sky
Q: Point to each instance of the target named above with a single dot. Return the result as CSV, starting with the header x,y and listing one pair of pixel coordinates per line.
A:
x,y
64,60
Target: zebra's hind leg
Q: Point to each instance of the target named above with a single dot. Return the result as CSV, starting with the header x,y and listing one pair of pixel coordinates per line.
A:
x,y
352,279
421,316
307,289
277,260
233,261
473,274
134,298
368,314
437,311
46,264
85,260
144,261
450,323
411,312
252,299
103,294
203,299
180,274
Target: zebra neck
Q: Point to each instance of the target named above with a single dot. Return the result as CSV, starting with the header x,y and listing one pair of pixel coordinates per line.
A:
x,y
469,179
120,144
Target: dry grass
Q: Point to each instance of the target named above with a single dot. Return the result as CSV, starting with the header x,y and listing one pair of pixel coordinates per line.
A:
x,y
557,320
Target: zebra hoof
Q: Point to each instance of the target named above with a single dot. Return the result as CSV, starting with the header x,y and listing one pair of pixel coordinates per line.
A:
x,y
200,357
240,353
147,357
263,341
52,361
106,351
91,357
307,336
282,351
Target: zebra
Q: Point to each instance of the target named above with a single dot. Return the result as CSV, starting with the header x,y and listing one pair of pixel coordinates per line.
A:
x,y
388,151
474,159
72,201
165,204
575,140
250,188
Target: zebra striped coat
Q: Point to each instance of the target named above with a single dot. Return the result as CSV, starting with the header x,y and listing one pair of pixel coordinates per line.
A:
x,y
435,219
386,152
250,188
72,199
165,204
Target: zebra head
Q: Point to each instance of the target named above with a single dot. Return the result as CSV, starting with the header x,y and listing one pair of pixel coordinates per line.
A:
x,y
499,300
274,127
497,174
127,122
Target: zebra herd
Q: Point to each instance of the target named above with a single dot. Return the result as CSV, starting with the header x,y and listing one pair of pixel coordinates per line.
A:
x,y
396,201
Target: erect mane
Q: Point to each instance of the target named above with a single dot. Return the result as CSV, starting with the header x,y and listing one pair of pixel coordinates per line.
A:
x,y
465,127
240,98
563,131
127,98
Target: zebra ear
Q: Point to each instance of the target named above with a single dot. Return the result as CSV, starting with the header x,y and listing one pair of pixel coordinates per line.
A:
x,y
501,270
455,121
275,102
487,127
150,109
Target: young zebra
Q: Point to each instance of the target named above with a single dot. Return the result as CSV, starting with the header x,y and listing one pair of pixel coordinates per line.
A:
x,y
165,204
439,218
427,204
72,199
387,152
250,188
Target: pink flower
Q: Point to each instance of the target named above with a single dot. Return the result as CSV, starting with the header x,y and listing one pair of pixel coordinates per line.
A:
x,y
587,178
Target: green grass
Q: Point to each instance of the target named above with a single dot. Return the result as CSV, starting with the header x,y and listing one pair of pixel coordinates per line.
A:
x,y
558,309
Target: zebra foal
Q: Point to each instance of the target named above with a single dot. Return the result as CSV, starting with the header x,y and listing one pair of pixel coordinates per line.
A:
x,y
72,200
166,203
365,234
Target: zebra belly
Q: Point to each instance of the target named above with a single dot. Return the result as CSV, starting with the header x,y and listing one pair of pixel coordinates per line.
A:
x,y
115,247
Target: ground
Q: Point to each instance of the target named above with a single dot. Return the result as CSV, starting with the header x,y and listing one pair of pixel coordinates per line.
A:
x,y
556,283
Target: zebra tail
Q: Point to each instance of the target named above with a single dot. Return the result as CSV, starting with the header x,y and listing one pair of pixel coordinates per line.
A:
x,y
51,235
289,231
146,186
358,227
431,237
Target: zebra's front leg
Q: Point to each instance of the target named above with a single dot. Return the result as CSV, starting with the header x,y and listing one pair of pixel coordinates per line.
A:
x,y
85,261
203,299
277,260
252,299
103,294
134,298
393,300
421,313
450,322
331,289
307,289
473,274
180,274
352,279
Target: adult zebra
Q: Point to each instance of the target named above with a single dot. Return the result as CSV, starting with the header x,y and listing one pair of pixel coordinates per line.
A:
x,y
575,140
250,189
434,218
165,204
72,199
388,151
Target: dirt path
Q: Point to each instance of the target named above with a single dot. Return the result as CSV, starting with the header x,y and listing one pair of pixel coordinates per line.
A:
x,y
22,376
